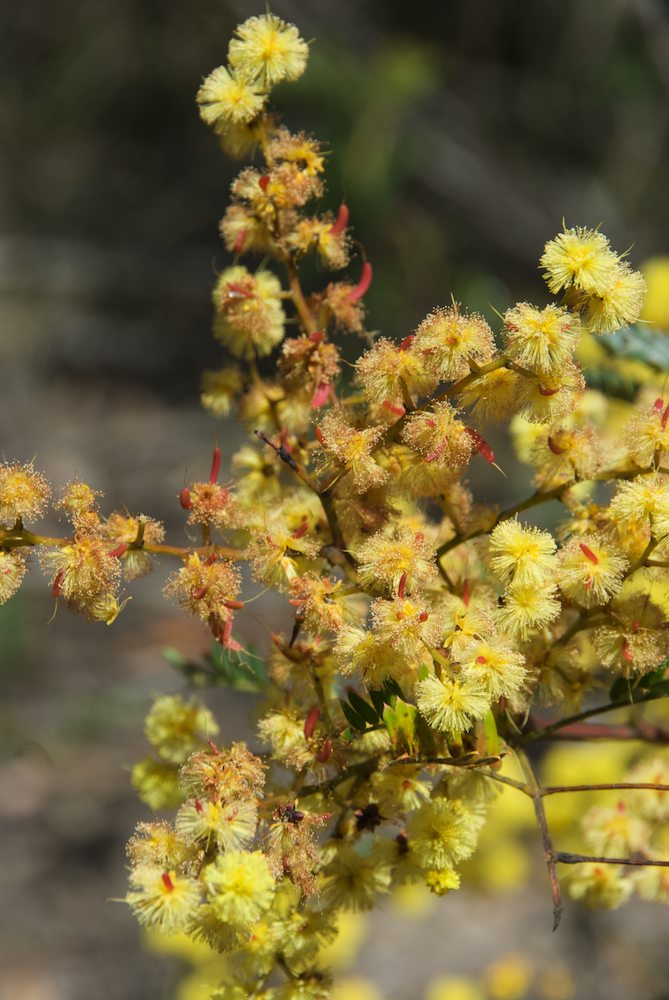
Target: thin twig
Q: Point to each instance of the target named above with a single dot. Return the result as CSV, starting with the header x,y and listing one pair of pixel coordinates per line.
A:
x,y
546,839
564,858
611,786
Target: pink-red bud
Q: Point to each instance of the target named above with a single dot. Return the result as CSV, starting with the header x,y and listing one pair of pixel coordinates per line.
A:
x,y
588,553
342,220
185,498
310,722
363,284
215,465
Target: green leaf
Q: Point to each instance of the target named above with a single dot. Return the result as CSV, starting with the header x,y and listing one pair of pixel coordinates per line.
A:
x,y
390,720
621,690
242,670
348,734
639,343
363,708
352,717
174,657
491,735
406,725
378,701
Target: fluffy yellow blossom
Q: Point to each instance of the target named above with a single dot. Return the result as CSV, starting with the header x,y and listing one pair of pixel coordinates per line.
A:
x,y
646,500
494,663
648,432
24,493
352,881
12,570
279,552
590,570
267,48
219,389
223,774
157,783
322,235
440,438
210,505
540,339
79,500
652,884
249,316
615,831
82,571
651,805
526,607
392,554
618,304
492,397
207,588
522,554
257,475
229,825
406,624
175,728
238,139
551,396
562,454
309,365
163,900
581,258
452,705
634,639
122,530
399,789
442,833
227,98
240,886
157,844
284,731
442,881
319,602
360,651
297,148
600,886
387,372
352,449
451,339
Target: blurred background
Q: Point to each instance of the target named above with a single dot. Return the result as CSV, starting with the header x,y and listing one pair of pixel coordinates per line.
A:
x,y
461,135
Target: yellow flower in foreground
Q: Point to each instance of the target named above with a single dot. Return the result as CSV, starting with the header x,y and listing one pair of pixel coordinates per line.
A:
x,y
227,99
240,886
269,49
24,493
452,705
522,553
579,257
163,900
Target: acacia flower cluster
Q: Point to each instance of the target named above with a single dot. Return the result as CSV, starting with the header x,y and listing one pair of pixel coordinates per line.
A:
x,y
425,630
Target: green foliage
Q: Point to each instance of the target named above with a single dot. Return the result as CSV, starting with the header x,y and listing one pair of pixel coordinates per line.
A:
x,y
242,670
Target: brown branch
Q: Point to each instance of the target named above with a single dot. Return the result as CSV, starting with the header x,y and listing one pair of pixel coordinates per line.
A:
x,y
13,539
546,839
612,786
651,734
565,858
541,496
